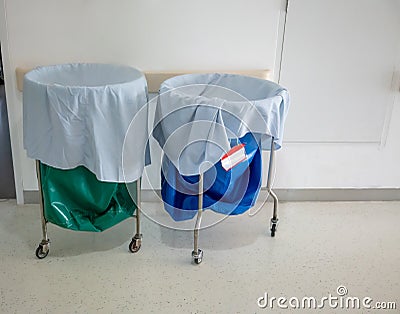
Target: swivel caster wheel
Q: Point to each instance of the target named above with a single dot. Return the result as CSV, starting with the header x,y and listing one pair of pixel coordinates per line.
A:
x,y
42,251
197,257
273,230
135,244
274,223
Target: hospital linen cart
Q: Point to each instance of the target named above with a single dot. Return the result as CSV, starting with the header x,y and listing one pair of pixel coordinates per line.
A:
x,y
199,119
75,119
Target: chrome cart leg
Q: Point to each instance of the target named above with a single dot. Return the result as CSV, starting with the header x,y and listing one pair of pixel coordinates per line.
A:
x,y
197,254
43,249
136,242
274,219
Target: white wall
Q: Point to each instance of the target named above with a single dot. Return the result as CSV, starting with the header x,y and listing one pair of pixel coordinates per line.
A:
x,y
150,35
195,35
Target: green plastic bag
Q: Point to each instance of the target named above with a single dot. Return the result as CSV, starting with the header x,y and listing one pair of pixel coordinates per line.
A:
x,y
75,199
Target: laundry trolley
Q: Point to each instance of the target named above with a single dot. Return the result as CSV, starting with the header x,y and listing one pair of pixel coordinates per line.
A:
x,y
75,120
212,129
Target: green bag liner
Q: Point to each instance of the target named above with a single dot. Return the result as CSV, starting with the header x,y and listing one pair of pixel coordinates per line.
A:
x,y
76,200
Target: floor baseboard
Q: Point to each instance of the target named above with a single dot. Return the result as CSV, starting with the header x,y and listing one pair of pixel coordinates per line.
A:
x,y
288,195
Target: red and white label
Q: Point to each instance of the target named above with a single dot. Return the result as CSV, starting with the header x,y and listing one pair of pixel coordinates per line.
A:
x,y
234,157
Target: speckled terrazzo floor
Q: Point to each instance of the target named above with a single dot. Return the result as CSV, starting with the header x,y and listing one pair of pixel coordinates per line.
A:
x,y
318,247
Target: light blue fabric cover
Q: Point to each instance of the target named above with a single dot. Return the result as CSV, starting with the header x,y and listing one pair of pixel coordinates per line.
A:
x,y
78,115
198,114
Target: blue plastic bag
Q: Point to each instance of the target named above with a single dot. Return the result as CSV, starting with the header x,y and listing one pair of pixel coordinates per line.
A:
x,y
227,192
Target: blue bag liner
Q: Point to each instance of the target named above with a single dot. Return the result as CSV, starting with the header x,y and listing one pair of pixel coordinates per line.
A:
x,y
229,192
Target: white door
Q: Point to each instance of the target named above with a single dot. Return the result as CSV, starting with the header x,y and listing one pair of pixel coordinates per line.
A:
x,y
338,63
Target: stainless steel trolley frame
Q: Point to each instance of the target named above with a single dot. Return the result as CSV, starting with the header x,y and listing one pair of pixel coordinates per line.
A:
x,y
197,254
44,246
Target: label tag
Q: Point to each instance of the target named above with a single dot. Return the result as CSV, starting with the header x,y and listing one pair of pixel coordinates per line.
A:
x,y
234,157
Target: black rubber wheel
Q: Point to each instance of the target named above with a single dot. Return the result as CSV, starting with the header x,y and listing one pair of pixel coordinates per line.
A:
x,y
134,246
273,230
197,257
40,254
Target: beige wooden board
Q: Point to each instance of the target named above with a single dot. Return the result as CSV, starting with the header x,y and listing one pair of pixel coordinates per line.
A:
x,y
154,79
